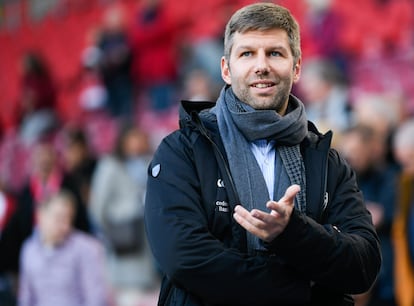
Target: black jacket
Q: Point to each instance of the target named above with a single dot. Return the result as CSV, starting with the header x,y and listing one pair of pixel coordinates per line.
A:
x,y
330,251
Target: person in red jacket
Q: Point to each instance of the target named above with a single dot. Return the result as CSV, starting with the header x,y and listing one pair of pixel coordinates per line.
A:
x,y
154,53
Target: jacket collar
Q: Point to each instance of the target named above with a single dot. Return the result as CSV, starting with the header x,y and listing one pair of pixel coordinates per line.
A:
x,y
188,109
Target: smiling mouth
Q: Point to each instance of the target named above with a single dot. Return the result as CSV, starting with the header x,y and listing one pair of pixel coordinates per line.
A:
x,y
263,85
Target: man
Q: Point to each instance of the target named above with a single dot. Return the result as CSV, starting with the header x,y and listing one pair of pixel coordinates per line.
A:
x,y
246,204
59,265
403,226
378,182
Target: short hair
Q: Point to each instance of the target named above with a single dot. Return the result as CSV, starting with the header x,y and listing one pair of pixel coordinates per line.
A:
x,y
363,131
76,136
64,196
261,17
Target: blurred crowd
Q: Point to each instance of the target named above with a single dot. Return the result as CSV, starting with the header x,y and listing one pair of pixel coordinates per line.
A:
x,y
135,66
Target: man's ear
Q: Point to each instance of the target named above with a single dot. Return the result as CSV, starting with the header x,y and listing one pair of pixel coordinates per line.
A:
x,y
225,71
297,70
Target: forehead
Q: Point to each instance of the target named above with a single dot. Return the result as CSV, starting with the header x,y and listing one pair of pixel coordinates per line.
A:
x,y
59,207
272,38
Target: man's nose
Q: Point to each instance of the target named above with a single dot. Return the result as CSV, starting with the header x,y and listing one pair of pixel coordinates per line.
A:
x,y
262,63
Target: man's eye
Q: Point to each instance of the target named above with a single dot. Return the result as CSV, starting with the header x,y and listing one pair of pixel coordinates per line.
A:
x,y
275,53
246,53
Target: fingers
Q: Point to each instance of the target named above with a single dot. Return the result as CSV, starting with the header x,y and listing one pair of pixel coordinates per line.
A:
x,y
242,216
277,209
267,225
261,224
290,194
254,218
255,222
288,199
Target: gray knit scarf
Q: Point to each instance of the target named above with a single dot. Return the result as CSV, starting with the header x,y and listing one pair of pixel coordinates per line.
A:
x,y
239,125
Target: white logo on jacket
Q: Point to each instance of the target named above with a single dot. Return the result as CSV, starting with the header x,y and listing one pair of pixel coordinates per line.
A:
x,y
222,206
220,183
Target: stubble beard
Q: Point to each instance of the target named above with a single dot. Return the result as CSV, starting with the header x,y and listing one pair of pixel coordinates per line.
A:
x,y
276,102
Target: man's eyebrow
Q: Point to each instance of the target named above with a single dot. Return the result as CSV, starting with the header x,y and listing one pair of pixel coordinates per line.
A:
x,y
249,47
243,47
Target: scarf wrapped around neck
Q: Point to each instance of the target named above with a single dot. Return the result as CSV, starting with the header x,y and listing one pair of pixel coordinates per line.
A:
x,y
239,125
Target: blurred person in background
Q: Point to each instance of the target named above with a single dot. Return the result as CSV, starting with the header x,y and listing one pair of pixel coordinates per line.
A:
x,y
378,185
321,24
117,209
78,163
326,93
201,43
7,279
7,205
37,99
198,86
93,95
60,265
153,35
115,62
44,180
403,230
382,112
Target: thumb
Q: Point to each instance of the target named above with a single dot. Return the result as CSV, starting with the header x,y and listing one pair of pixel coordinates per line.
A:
x,y
290,194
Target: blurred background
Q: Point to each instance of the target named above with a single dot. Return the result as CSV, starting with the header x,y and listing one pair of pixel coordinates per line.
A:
x,y
98,82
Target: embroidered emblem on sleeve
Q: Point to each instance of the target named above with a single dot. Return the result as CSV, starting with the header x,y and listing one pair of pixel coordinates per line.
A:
x,y
155,171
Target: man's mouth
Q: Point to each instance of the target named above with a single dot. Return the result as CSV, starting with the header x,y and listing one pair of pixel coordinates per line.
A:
x,y
263,84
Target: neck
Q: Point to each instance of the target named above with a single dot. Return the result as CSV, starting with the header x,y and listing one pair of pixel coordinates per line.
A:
x,y
283,110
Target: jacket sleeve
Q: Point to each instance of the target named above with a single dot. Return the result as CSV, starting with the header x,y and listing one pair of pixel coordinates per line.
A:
x,y
342,253
190,256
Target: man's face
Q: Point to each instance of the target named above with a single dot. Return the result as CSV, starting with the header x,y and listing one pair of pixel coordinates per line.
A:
x,y
55,222
261,69
44,160
357,151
